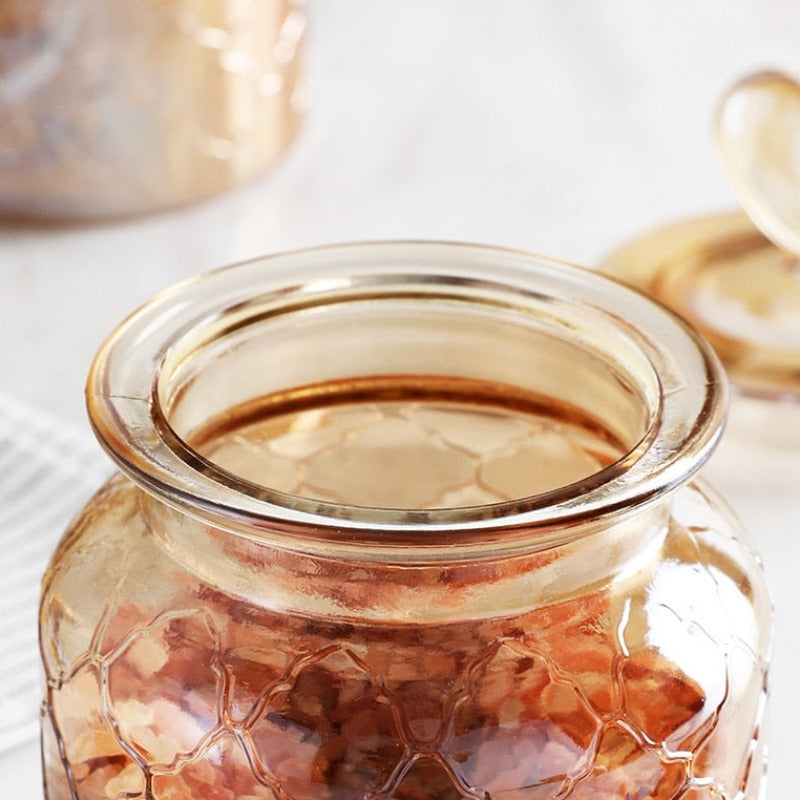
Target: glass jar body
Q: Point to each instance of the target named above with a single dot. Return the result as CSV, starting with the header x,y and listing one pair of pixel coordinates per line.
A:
x,y
186,662
404,520
110,109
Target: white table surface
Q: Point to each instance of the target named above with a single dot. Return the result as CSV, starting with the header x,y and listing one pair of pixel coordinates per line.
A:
x,y
562,128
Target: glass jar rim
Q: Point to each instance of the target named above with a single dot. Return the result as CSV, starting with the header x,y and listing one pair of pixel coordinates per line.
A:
x,y
125,393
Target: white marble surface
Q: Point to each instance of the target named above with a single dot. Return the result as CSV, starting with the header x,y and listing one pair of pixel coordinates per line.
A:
x,y
562,128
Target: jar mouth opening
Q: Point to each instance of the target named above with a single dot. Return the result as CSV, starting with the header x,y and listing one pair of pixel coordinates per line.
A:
x,y
370,513
437,324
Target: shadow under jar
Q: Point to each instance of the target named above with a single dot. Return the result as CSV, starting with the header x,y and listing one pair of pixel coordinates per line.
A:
x,y
405,521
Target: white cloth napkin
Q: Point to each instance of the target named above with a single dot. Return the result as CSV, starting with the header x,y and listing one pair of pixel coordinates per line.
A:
x,y
47,471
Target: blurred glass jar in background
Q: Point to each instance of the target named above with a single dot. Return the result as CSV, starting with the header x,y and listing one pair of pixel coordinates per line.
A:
x,y
114,108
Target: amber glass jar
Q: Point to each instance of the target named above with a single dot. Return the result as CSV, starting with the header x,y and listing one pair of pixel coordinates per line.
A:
x,y
123,107
404,521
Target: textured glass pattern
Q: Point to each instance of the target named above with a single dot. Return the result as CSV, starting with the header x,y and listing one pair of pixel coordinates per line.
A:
x,y
411,454
285,599
163,686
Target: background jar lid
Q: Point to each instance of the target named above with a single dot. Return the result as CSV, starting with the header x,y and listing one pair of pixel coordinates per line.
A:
x,y
735,286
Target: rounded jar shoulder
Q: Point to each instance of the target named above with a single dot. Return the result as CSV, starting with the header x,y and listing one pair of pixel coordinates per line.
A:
x,y
164,683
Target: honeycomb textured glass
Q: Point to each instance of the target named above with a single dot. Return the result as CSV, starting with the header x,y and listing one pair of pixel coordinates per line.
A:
x,y
405,585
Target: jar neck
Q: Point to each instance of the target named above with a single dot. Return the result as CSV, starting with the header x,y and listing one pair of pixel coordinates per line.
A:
x,y
423,310
321,585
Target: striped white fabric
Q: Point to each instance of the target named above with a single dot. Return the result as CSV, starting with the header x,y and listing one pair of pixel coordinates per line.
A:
x,y
47,471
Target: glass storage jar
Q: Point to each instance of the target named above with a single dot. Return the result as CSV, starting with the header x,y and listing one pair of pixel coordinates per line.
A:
x,y
404,521
123,107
